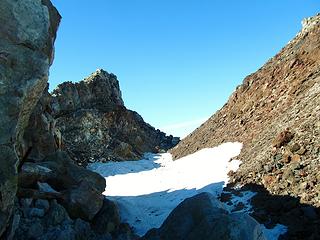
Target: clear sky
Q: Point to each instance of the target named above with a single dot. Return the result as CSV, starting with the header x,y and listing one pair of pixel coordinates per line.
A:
x,y
177,60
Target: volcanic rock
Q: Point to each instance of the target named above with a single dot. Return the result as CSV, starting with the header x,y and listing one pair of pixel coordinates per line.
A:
x,y
275,114
27,33
96,126
203,217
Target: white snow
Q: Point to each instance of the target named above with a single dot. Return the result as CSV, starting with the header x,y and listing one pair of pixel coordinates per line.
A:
x,y
146,191
275,232
244,198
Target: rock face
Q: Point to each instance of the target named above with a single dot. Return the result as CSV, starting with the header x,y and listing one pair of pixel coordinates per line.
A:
x,y
43,193
99,91
28,30
275,114
203,217
96,126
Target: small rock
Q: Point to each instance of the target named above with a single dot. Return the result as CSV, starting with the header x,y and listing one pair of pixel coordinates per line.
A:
x,y
295,147
35,212
267,168
286,158
301,151
45,187
296,158
42,204
277,157
282,139
57,214
26,202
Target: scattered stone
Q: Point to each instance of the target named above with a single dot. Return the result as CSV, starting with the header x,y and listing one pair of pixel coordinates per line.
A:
x,y
301,151
295,147
282,139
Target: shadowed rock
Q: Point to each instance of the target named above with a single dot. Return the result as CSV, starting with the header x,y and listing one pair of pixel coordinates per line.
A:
x,y
203,217
27,33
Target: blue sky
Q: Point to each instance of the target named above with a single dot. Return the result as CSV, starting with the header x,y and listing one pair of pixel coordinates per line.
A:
x,y
177,60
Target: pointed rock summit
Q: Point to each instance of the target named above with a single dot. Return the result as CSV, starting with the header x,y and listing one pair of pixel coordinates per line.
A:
x,y
96,126
99,91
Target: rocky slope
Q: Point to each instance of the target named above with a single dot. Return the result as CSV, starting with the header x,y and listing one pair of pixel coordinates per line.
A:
x,y
96,126
275,113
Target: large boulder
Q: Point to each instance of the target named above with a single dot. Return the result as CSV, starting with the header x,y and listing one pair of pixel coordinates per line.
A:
x,y
77,189
27,33
108,218
203,217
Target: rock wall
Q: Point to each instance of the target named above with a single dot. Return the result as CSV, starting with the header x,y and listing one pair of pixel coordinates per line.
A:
x,y
43,194
275,114
27,33
96,126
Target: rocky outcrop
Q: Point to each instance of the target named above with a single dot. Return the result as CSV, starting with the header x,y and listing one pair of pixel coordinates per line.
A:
x,y
203,217
96,126
28,30
275,114
43,194
56,198
99,91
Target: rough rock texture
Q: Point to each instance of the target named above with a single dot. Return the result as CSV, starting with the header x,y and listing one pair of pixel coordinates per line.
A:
x,y
203,217
47,219
276,114
41,137
43,194
96,126
27,32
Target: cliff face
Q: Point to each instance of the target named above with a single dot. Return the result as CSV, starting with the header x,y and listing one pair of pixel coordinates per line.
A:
x,y
96,126
43,194
275,113
99,91
26,52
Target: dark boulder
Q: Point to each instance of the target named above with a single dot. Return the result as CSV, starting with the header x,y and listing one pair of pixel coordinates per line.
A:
x,y
202,217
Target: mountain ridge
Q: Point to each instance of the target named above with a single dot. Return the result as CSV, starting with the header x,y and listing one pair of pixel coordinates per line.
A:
x,y
282,96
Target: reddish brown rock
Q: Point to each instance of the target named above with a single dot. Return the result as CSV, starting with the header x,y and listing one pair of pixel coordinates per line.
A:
x,y
275,110
282,139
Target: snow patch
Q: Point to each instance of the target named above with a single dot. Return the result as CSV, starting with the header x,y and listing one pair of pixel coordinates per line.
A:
x,y
146,191
274,233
